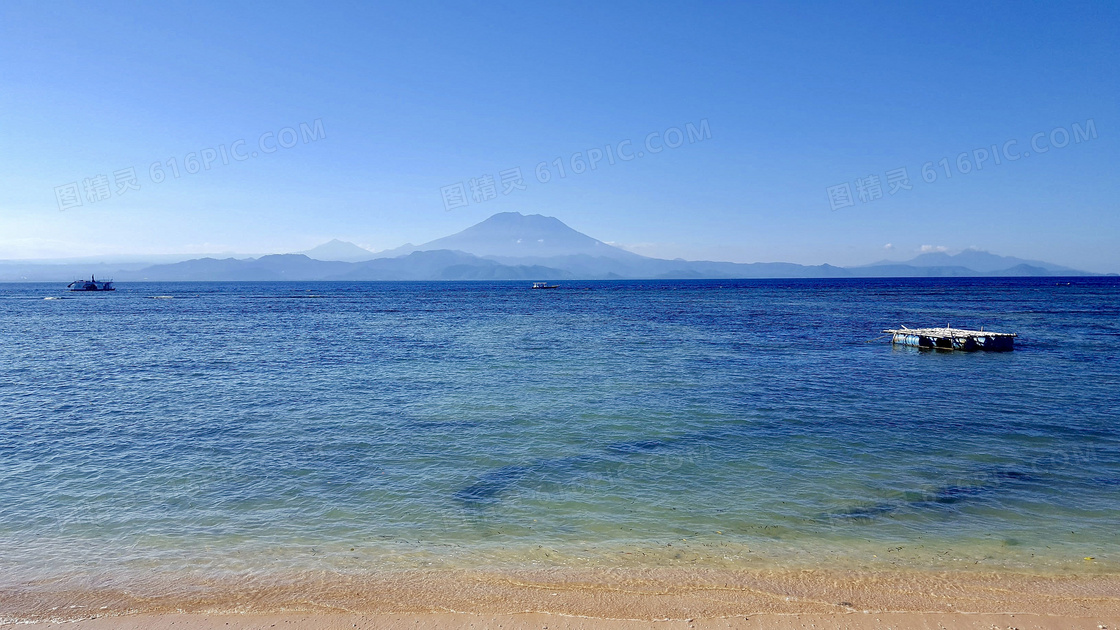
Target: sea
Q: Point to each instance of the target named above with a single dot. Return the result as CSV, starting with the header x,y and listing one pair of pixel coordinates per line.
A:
x,y
194,432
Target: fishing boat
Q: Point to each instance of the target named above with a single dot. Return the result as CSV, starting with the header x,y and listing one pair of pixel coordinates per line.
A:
x,y
545,285
93,284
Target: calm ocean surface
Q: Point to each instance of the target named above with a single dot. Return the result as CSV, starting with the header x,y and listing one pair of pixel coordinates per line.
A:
x,y
349,427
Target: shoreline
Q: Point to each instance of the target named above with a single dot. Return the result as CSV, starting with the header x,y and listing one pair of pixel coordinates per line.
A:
x,y
599,598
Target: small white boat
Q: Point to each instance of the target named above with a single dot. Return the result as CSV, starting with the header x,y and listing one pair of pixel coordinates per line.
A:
x,y
545,285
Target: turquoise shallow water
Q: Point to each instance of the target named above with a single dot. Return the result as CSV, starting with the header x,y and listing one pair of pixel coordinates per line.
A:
x,y
353,427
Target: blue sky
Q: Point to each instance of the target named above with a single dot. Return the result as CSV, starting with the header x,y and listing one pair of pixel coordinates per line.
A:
x,y
414,98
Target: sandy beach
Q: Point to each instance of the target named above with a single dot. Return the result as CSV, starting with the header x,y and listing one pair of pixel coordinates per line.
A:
x,y
440,621
653,598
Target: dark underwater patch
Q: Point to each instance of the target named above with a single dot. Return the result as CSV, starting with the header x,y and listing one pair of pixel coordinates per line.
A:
x,y
946,495
638,446
552,475
492,484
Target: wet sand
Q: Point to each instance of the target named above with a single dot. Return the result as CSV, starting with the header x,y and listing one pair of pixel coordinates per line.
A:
x,y
562,598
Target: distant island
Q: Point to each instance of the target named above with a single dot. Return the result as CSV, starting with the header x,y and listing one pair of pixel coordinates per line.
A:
x,y
512,246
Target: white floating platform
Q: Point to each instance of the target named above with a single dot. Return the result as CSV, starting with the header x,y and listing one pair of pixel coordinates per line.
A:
x,y
952,338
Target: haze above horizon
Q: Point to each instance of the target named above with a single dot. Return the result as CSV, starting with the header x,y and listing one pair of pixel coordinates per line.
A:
x,y
804,134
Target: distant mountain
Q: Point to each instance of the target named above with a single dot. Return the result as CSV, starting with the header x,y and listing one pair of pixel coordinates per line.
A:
x,y
442,264
436,265
336,250
980,262
273,267
514,235
900,270
511,246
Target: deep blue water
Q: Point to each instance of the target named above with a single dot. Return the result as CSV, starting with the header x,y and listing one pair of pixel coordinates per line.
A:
x,y
355,426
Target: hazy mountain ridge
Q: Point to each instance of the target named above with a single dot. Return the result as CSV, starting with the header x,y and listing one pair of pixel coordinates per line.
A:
x,y
435,265
511,246
976,260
